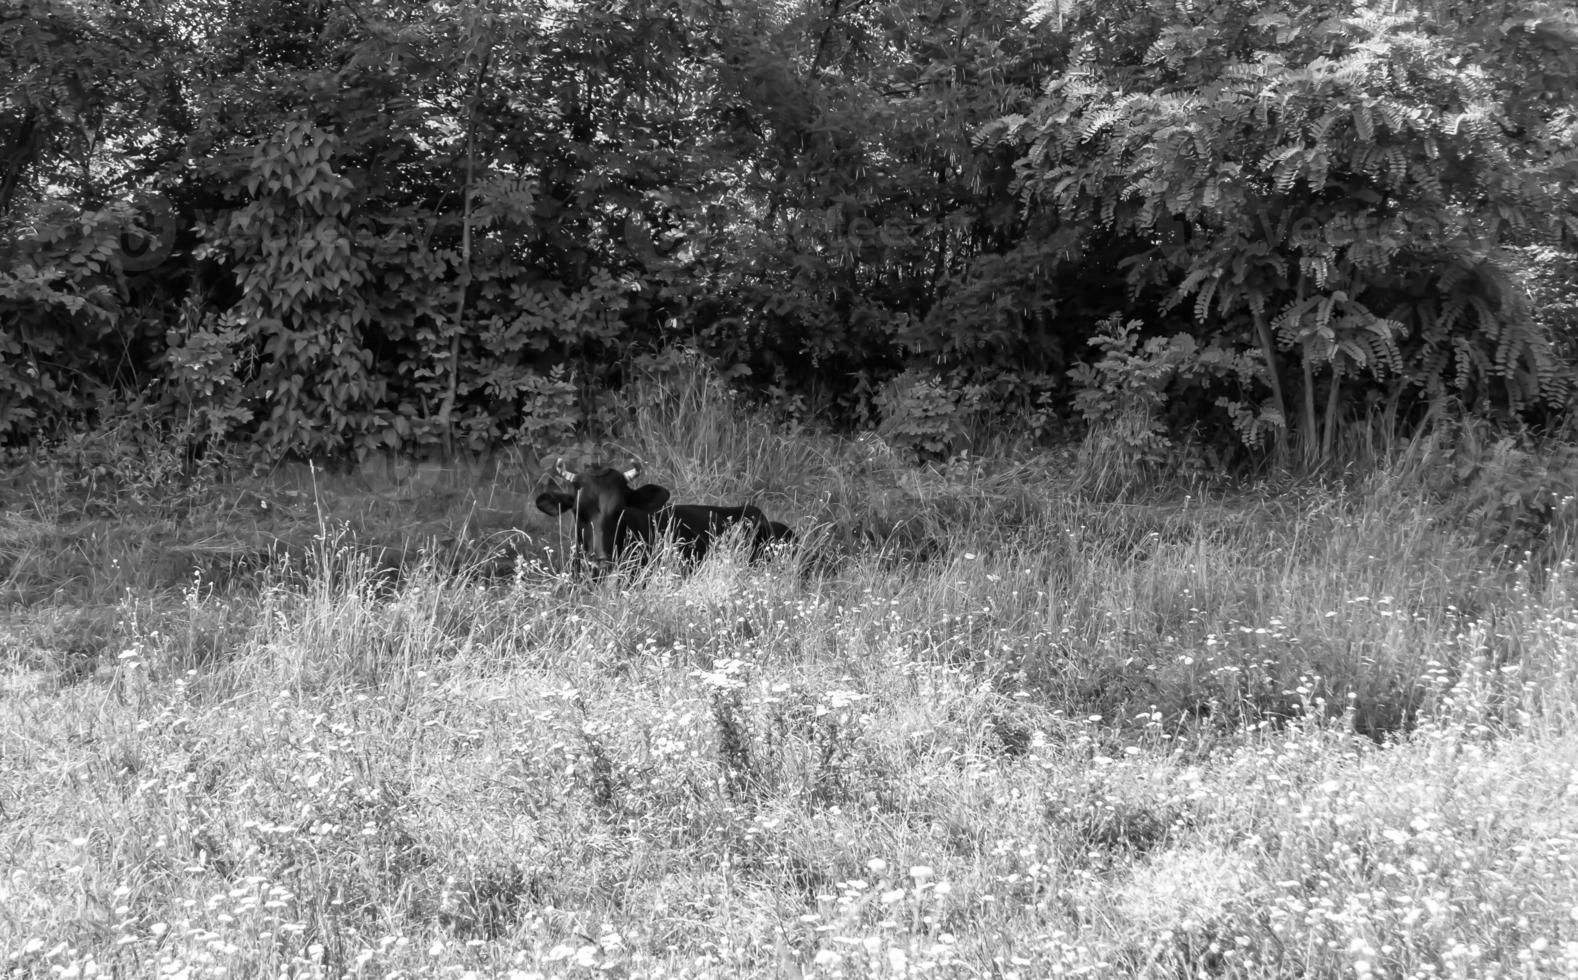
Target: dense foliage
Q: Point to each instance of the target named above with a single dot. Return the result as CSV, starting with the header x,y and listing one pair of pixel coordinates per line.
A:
x,y
326,230
1340,185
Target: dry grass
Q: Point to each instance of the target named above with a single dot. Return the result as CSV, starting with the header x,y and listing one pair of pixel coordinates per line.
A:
x,y
1021,734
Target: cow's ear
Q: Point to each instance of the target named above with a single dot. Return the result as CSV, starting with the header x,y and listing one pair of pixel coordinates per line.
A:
x,y
554,504
649,497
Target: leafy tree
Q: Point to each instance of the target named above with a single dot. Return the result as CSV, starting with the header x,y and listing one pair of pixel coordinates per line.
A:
x,y
1323,180
71,116
79,135
862,232
475,193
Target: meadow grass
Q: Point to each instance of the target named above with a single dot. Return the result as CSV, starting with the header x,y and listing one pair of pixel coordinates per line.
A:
x,y
976,725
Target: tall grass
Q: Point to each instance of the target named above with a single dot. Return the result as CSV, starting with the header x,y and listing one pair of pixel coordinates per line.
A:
x,y
980,726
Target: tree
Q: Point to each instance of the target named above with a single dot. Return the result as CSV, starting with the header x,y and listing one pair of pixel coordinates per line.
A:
x,y
861,231
79,135
1326,181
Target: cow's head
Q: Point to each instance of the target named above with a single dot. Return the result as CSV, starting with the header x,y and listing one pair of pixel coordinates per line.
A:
x,y
610,517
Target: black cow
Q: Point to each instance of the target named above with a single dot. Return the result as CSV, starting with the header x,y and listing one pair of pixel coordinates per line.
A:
x,y
612,520
694,526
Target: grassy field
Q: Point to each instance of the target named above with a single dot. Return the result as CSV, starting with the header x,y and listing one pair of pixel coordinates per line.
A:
x,y
983,723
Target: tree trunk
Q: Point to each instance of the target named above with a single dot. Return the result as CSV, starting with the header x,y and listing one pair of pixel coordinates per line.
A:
x,y
1268,349
446,409
1309,436
1333,400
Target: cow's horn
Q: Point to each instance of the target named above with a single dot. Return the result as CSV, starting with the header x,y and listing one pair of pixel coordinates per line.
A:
x,y
564,474
633,472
